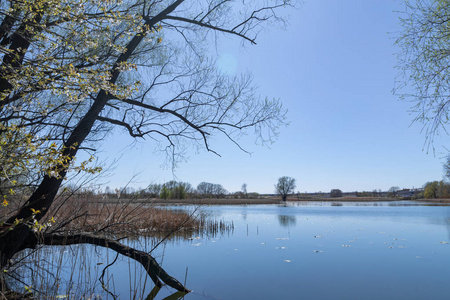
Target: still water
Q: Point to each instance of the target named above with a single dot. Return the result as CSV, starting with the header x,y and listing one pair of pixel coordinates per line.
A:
x,y
319,251
299,251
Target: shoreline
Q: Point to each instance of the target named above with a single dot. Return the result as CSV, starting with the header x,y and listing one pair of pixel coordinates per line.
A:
x,y
270,200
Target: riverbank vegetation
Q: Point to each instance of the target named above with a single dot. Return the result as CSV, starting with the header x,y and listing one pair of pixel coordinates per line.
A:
x,y
81,218
174,192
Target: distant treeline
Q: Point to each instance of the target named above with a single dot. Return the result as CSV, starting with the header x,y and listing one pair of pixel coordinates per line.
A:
x,y
178,190
184,190
437,190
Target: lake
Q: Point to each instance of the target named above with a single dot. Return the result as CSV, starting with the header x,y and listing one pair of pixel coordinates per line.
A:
x,y
383,250
319,251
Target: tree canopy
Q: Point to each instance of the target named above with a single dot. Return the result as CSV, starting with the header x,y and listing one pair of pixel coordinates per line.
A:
x,y
335,193
285,186
71,71
423,62
207,189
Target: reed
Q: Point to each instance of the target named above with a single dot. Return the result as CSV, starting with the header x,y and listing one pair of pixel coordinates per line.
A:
x,y
127,219
58,272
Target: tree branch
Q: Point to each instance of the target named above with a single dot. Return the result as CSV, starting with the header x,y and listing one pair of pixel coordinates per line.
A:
x,y
201,24
154,270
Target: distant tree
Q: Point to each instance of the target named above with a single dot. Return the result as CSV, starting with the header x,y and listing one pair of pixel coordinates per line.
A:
x,y
129,191
444,190
244,190
392,192
437,189
285,186
175,190
178,192
182,190
154,189
253,195
237,195
207,189
204,188
364,194
220,191
108,190
335,193
165,192
171,184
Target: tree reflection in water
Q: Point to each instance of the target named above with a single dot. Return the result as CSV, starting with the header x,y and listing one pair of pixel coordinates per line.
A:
x,y
156,289
73,271
287,221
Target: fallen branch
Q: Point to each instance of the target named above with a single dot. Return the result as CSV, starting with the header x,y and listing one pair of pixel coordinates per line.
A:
x,y
154,270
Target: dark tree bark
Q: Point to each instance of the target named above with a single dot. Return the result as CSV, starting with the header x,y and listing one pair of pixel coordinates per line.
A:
x,y
43,197
154,270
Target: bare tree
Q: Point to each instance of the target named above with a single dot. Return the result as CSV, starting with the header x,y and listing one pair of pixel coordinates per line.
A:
x,y
244,190
392,192
154,189
71,71
207,189
285,186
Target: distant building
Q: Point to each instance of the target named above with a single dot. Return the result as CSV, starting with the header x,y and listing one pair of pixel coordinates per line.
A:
x,y
408,192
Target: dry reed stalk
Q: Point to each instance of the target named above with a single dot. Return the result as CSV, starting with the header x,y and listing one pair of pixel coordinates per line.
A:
x,y
129,219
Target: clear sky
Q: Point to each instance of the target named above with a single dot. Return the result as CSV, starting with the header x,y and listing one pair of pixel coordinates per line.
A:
x,y
334,70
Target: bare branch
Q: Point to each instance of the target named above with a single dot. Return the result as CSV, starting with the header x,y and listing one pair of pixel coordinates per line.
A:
x,y
209,26
154,270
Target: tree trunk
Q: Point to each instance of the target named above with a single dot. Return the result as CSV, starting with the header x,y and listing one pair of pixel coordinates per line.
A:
x,y
14,238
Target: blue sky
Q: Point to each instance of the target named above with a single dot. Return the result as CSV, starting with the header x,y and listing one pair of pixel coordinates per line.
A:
x,y
334,70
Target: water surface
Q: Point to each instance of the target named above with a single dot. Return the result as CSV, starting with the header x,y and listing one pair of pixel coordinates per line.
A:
x,y
316,250
320,251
